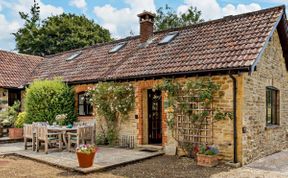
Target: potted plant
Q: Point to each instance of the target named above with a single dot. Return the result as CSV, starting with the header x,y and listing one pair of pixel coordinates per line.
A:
x,y
60,119
85,154
207,156
8,119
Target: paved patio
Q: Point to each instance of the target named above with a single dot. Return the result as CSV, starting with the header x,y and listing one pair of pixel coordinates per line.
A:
x,y
106,157
276,162
275,165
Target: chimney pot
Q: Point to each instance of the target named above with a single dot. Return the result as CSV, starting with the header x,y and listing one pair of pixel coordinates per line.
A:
x,y
146,20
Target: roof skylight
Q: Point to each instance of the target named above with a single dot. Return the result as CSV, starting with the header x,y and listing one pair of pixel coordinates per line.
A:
x,y
117,47
74,55
169,37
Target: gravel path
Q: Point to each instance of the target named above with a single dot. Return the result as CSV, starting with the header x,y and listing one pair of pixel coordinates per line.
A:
x,y
162,166
167,166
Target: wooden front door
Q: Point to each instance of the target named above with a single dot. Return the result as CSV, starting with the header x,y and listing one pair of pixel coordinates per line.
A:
x,y
154,117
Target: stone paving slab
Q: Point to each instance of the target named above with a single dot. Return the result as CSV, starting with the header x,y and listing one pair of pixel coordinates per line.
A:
x,y
276,162
11,147
106,157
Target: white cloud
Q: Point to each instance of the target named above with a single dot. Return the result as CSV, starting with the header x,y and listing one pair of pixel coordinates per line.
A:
x,y
6,28
45,9
81,4
121,21
241,8
211,9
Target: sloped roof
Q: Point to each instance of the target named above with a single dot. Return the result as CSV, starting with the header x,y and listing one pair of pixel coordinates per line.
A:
x,y
16,69
230,43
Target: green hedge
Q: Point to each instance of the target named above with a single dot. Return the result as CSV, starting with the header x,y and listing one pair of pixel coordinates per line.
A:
x,y
47,98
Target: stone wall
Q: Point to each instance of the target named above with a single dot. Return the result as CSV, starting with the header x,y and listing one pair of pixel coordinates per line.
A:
x,y
261,140
3,99
222,130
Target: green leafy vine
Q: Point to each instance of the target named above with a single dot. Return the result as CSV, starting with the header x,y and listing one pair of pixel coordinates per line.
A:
x,y
113,102
187,97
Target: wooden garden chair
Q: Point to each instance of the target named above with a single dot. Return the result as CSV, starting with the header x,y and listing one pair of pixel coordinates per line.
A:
x,y
43,135
84,134
29,133
87,123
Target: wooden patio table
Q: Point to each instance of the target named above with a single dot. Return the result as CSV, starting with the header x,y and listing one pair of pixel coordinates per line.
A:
x,y
64,131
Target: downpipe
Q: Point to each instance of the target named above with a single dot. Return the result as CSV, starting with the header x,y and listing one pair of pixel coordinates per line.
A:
x,y
234,118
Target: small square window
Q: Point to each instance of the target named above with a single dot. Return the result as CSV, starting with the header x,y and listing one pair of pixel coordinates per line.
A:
x,y
117,47
74,55
169,37
272,106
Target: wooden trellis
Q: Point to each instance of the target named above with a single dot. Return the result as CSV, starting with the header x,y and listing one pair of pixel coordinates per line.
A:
x,y
189,131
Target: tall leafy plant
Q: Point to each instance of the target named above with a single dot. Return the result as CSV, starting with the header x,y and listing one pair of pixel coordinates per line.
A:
x,y
9,116
46,99
113,102
167,17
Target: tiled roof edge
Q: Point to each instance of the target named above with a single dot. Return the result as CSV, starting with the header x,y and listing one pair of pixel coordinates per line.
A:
x,y
20,54
230,17
260,54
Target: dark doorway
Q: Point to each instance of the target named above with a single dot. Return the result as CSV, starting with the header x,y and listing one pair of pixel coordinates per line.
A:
x,y
13,95
154,117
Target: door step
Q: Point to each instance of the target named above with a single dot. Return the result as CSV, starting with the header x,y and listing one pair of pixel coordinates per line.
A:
x,y
150,148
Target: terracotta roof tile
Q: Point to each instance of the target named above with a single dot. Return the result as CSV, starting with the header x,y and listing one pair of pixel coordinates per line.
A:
x,y
228,43
16,69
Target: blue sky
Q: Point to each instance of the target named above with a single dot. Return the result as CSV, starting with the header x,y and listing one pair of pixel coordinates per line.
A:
x,y
118,16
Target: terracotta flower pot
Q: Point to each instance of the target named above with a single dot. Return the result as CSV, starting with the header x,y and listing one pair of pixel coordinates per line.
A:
x,y
85,160
207,160
15,133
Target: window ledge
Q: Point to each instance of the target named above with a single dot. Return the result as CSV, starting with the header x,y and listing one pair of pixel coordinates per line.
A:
x,y
268,127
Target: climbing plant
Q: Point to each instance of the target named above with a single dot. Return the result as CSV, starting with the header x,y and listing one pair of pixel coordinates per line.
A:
x,y
113,102
192,100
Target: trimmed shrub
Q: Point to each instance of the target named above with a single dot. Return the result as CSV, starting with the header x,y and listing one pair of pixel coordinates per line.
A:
x,y
47,98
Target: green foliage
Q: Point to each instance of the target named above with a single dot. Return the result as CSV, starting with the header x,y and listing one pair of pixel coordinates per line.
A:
x,y
48,98
222,115
9,116
167,17
57,33
21,118
208,150
101,139
113,102
180,96
193,99
27,38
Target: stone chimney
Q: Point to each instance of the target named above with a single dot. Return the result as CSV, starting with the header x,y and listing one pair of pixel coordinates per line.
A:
x,y
146,20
